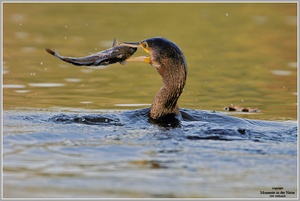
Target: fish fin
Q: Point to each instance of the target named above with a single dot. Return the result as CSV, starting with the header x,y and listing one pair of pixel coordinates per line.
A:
x,y
115,42
123,62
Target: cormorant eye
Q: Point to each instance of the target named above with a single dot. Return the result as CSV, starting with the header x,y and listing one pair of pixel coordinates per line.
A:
x,y
145,45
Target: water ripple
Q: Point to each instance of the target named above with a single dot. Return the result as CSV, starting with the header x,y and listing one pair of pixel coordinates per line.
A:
x,y
122,150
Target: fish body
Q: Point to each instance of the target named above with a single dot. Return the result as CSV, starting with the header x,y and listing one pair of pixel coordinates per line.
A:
x,y
117,53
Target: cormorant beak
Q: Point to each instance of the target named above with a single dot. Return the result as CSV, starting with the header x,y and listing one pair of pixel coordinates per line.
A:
x,y
145,59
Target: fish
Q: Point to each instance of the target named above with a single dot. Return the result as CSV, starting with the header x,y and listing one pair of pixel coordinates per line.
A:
x,y
117,53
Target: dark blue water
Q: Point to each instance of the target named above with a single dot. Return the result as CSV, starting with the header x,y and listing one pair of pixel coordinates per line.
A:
x,y
120,154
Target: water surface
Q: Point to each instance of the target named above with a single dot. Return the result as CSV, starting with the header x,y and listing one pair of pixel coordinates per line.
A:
x,y
120,154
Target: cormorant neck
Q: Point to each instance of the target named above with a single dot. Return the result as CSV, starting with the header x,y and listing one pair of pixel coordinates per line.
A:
x,y
164,106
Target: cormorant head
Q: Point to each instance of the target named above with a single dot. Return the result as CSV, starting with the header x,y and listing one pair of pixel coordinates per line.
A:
x,y
164,55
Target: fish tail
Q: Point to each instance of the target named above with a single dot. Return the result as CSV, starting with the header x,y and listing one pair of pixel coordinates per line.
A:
x,y
53,52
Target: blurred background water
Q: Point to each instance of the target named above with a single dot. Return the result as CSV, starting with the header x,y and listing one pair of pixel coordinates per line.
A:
x,y
243,54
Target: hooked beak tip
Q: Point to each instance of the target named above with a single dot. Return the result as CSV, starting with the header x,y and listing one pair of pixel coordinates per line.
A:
x,y
145,59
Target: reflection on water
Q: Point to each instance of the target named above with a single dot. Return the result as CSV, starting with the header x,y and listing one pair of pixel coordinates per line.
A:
x,y
65,131
13,86
73,79
46,84
281,72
